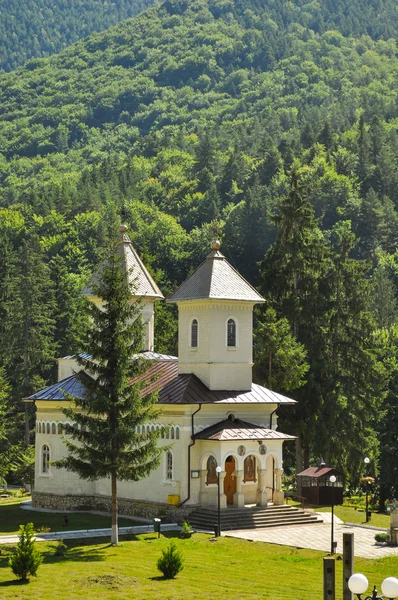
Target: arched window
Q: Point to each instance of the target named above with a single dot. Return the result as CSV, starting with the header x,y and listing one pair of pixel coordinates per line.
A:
x,y
249,469
60,429
211,470
53,428
169,466
48,427
194,334
231,333
45,459
177,433
39,427
172,433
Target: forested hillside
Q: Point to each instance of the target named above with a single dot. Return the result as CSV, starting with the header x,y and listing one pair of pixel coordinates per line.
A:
x,y
271,125
35,28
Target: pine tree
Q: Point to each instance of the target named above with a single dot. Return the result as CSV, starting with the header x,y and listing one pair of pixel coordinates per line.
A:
x,y
26,559
279,359
105,442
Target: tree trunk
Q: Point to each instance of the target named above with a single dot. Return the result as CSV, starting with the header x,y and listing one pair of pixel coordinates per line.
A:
x,y
115,533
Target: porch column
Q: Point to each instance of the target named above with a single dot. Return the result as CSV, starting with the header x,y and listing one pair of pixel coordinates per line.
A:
x,y
261,492
279,496
203,498
239,497
223,498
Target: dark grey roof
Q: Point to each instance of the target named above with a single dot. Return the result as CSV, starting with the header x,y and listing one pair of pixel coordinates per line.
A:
x,y
140,280
71,386
173,388
236,429
216,279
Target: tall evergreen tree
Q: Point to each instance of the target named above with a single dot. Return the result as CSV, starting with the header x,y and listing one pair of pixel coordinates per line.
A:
x,y
104,440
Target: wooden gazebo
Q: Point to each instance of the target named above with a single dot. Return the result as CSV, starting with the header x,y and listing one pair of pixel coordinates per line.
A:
x,y
315,487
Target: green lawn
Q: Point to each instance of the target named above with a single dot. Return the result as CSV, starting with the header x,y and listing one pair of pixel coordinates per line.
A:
x,y
226,568
12,516
350,515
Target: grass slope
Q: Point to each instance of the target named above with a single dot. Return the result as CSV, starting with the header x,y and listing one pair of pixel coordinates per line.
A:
x,y
228,568
12,516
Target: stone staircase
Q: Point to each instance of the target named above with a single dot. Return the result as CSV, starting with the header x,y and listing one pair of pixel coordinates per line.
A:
x,y
251,517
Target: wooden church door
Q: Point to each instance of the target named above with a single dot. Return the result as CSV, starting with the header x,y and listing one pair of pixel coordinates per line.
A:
x,y
230,479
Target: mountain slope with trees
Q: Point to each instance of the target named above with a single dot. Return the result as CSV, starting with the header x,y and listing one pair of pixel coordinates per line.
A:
x,y
43,27
235,120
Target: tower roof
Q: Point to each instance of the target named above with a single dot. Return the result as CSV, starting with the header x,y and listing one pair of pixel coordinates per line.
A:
x,y
138,277
216,279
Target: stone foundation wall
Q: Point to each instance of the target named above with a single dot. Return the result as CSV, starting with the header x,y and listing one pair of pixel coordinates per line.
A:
x,y
138,508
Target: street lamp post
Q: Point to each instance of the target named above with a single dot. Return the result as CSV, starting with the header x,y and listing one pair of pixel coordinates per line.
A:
x,y
366,460
332,480
358,584
218,471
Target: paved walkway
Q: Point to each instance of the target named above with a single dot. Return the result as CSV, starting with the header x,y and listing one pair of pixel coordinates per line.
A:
x,y
318,537
88,533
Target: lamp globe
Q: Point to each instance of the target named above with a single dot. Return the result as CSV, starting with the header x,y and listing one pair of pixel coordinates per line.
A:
x,y
358,583
389,587
218,469
332,479
366,460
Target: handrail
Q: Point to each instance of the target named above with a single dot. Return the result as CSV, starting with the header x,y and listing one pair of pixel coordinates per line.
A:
x,y
301,499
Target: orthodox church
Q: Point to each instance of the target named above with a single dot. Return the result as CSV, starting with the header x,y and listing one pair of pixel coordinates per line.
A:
x,y
216,415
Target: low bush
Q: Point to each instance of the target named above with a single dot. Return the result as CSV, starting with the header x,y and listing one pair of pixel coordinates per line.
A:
x,y
61,548
171,562
382,537
26,559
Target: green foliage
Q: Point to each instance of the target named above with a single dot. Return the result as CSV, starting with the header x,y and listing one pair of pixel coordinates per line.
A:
x,y
30,30
171,562
382,537
105,442
61,548
26,559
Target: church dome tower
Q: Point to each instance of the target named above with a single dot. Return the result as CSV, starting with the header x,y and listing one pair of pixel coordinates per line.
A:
x,y
215,339
145,288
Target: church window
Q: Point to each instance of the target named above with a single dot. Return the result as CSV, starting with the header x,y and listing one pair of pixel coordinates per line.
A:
x,y
249,468
39,427
194,334
177,433
45,460
48,427
231,333
211,470
53,428
172,433
169,466
60,428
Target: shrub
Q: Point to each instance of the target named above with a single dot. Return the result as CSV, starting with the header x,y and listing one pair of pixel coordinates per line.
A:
x,y
382,537
61,548
171,562
26,559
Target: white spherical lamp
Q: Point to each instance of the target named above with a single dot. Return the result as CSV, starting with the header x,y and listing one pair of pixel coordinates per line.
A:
x,y
332,479
366,460
358,583
218,469
389,587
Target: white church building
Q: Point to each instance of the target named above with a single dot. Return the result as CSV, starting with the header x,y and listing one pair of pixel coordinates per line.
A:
x,y
216,415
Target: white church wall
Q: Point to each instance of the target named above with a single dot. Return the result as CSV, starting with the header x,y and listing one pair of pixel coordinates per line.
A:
x,y
218,366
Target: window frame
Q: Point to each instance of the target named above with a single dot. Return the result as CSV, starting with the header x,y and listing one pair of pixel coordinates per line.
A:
x,y
192,322
45,465
235,321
